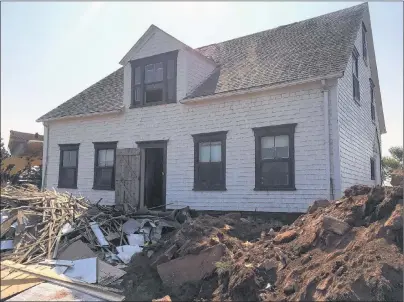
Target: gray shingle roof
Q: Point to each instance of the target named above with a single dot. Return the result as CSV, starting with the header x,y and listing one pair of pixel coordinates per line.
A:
x,y
311,48
103,96
315,47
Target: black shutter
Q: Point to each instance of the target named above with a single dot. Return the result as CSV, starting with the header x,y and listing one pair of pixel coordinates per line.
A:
x,y
137,85
171,89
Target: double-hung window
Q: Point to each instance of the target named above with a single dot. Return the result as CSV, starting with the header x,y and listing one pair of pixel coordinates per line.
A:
x,y
274,157
154,80
372,100
210,161
68,164
104,166
355,75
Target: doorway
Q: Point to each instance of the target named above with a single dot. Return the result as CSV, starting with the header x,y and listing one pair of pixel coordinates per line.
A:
x,y
153,166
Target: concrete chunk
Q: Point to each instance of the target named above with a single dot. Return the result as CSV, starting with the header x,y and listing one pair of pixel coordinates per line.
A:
x,y
335,225
321,203
190,267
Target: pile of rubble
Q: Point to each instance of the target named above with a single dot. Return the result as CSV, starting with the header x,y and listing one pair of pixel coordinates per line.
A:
x,y
82,241
348,249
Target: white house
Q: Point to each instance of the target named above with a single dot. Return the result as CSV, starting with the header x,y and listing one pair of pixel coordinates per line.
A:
x,y
265,122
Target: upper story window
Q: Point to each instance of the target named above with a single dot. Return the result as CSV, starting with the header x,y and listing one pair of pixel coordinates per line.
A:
x,y
364,44
355,75
68,164
274,157
372,100
154,80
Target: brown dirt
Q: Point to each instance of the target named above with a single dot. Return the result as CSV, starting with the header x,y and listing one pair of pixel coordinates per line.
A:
x,y
313,264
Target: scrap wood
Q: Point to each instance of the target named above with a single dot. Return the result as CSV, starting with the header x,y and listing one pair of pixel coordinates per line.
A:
x,y
53,207
14,281
102,292
6,225
52,292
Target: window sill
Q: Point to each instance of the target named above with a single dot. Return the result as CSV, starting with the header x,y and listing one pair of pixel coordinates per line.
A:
x,y
102,189
151,104
208,189
274,189
61,187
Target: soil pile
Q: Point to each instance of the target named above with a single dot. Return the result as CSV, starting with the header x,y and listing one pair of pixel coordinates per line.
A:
x,y
349,249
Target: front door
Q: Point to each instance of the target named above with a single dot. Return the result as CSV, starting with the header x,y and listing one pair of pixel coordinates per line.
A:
x,y
154,174
154,177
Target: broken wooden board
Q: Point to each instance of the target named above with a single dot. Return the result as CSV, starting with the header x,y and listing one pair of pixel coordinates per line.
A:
x,y
13,282
79,250
106,293
52,292
6,224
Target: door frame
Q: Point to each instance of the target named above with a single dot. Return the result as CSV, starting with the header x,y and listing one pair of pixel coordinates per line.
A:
x,y
162,144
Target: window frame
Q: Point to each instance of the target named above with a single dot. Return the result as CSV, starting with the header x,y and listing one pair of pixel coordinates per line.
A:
x,y
285,129
372,101
203,138
104,146
142,86
372,168
355,76
365,50
63,148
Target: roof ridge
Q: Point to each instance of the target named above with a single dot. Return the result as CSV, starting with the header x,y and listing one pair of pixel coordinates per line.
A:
x,y
365,4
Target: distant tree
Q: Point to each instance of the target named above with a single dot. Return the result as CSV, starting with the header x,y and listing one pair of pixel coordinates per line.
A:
x,y
393,162
4,151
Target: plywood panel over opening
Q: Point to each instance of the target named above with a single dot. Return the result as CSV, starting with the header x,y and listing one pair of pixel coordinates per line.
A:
x,y
127,178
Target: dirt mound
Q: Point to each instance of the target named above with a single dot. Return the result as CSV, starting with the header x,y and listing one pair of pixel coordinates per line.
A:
x,y
349,249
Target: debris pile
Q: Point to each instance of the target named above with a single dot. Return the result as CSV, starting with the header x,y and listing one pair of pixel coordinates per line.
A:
x,y
348,249
85,242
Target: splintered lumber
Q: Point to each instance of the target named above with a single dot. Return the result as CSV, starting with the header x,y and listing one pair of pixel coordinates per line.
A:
x,y
5,226
40,217
91,289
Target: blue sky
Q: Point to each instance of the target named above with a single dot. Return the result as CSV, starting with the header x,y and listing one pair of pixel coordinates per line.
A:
x,y
50,51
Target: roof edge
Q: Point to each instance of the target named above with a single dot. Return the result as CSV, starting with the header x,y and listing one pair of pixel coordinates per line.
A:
x,y
260,88
80,115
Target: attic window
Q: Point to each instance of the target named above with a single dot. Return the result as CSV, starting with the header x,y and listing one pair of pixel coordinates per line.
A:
x,y
154,80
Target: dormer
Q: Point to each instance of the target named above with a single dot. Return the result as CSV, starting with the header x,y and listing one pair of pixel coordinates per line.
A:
x,y
159,69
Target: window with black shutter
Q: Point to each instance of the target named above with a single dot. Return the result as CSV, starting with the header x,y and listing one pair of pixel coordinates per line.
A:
x,y
154,80
274,157
104,166
355,75
210,161
372,101
68,165
372,169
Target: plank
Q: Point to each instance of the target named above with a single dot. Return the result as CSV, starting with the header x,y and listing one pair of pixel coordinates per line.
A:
x,y
94,290
13,282
52,292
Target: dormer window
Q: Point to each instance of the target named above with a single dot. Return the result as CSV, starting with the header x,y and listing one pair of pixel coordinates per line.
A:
x,y
154,80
